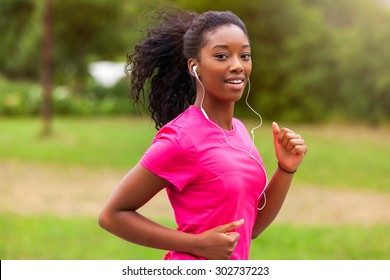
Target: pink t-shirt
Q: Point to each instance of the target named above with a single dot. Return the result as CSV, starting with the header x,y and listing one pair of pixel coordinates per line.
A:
x,y
212,183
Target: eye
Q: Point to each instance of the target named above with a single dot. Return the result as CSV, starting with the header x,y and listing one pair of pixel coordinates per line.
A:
x,y
221,56
246,56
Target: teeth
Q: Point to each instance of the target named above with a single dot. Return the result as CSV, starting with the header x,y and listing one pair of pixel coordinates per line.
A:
x,y
235,82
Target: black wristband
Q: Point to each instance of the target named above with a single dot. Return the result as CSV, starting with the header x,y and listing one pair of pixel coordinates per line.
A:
x,y
284,170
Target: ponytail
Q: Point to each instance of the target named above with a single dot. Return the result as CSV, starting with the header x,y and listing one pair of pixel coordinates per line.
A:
x,y
157,65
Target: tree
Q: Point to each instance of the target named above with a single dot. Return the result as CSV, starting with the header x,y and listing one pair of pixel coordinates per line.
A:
x,y
20,36
86,31
361,35
46,71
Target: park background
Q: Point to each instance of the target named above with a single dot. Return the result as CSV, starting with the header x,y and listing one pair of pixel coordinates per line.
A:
x,y
67,138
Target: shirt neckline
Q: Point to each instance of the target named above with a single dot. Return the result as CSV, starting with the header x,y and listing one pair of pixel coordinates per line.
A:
x,y
227,132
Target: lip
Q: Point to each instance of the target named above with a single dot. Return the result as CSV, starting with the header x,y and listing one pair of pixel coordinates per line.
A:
x,y
235,82
234,78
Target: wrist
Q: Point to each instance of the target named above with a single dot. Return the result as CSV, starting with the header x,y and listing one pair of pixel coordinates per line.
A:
x,y
286,170
194,242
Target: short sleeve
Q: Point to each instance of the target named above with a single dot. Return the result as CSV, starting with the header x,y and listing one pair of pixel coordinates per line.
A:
x,y
172,156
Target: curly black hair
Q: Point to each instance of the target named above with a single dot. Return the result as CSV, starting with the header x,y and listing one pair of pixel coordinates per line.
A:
x,y
158,64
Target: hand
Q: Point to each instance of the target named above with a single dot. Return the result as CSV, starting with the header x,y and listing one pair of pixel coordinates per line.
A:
x,y
290,148
218,243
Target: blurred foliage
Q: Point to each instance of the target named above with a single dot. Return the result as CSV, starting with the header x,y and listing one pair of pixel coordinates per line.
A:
x,y
85,31
313,60
20,33
25,99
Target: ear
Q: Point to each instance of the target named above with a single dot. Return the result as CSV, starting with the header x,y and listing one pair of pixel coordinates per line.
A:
x,y
191,63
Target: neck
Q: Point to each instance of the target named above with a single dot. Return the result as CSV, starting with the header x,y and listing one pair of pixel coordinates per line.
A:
x,y
219,112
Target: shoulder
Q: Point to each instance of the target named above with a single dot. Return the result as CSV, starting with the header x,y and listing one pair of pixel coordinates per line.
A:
x,y
184,128
179,132
239,124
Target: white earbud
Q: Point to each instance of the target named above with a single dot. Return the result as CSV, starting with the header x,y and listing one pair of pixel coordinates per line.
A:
x,y
196,73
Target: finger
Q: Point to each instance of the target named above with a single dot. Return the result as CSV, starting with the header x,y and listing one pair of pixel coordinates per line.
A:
x,y
294,142
233,236
299,150
230,226
288,137
285,132
233,241
275,131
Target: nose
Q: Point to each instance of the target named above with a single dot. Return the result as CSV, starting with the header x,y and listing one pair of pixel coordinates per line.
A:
x,y
236,66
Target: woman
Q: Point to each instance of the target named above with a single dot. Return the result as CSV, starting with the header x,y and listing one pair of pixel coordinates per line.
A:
x,y
198,67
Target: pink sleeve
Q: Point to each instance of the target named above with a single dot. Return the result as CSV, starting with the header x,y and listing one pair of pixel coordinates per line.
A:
x,y
172,157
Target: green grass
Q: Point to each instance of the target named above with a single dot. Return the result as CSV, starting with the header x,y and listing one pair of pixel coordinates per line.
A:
x,y
107,142
55,238
323,243
359,159
45,237
339,156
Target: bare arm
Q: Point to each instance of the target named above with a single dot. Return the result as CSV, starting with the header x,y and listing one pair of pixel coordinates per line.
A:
x,y
290,150
120,217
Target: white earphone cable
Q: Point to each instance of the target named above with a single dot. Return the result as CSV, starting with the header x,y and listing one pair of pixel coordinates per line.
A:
x,y
253,110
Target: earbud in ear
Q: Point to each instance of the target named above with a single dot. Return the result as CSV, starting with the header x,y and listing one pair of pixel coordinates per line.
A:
x,y
195,72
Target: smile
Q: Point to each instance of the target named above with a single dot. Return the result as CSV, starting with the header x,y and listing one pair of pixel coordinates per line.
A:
x,y
235,82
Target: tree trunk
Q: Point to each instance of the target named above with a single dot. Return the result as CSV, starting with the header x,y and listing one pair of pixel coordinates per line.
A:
x,y
46,68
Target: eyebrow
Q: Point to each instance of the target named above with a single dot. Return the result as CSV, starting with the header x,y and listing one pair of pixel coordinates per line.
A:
x,y
227,47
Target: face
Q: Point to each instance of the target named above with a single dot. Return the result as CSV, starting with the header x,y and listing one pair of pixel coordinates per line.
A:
x,y
225,63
